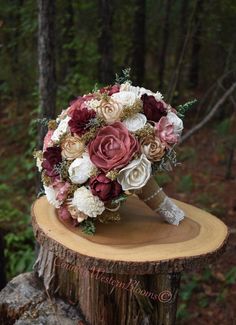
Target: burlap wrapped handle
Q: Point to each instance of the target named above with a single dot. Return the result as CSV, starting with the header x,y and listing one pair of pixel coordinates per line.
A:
x,y
153,195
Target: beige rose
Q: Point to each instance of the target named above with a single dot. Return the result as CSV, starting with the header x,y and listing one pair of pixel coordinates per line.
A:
x,y
153,148
109,110
72,147
76,214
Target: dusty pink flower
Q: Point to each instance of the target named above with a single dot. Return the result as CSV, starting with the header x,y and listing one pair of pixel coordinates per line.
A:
x,y
61,189
110,90
47,140
76,104
113,147
165,131
63,213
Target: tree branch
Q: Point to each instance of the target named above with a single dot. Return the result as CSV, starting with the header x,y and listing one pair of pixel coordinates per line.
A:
x,y
210,114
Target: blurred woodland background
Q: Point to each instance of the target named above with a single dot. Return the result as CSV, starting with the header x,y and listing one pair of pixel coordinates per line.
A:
x,y
184,49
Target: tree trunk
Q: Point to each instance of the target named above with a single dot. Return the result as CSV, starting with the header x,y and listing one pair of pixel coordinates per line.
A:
x,y
138,47
109,298
196,46
68,61
128,273
46,63
2,262
105,43
162,57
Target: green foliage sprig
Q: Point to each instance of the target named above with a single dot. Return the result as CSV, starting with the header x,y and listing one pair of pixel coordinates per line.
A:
x,y
125,77
182,109
88,227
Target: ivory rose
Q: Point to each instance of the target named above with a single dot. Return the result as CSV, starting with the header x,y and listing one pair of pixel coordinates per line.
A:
x,y
125,98
71,147
135,122
139,91
153,148
136,174
113,147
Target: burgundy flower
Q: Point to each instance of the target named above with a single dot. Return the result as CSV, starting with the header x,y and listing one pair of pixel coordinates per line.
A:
x,y
113,147
80,119
110,90
152,108
51,158
104,187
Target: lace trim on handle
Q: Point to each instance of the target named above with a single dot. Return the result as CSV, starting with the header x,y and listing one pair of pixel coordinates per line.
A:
x,y
170,212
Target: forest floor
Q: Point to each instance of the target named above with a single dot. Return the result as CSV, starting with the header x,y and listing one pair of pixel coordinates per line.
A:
x,y
206,297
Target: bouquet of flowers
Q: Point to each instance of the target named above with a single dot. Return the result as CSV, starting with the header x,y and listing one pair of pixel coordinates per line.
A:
x,y
107,145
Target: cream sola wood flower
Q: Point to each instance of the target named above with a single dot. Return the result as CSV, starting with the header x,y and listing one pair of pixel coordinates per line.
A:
x,y
139,91
72,147
51,196
61,129
135,122
84,202
110,108
81,169
153,148
136,174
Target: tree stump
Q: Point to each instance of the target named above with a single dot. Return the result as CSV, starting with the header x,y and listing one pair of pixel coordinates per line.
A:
x,y
128,273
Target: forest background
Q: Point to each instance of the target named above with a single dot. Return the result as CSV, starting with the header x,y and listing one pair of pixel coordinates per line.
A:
x,y
184,49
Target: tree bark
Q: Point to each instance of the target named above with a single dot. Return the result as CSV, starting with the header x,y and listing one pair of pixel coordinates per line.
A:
x,y
138,47
46,63
2,262
108,298
165,39
105,42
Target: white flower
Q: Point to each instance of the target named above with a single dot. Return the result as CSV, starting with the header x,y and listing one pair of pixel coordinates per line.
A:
x,y
39,162
139,91
136,174
61,129
135,122
93,104
85,202
51,196
81,169
125,98
176,121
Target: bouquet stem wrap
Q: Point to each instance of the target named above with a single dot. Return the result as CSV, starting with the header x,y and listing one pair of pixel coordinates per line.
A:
x,y
153,195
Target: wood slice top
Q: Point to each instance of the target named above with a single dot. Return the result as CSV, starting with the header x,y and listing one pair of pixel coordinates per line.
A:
x,y
141,243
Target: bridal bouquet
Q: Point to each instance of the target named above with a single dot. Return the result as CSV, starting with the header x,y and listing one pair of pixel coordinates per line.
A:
x,y
105,146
